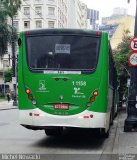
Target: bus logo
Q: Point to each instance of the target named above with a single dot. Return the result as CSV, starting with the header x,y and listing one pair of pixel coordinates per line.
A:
x,y
42,85
77,91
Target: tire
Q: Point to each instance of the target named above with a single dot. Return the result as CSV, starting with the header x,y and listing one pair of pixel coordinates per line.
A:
x,y
57,131
103,133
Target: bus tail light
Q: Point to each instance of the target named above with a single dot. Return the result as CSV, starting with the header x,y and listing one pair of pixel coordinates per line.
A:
x,y
98,33
95,93
28,91
36,114
27,33
92,99
86,117
30,97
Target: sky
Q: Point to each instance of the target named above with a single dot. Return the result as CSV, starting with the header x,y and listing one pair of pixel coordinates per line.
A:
x,y
106,6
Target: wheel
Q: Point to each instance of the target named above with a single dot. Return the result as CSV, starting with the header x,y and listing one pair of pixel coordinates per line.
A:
x,y
57,131
103,133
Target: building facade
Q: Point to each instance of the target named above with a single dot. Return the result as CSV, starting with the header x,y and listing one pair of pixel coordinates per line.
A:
x,y
116,27
93,16
40,14
118,13
77,14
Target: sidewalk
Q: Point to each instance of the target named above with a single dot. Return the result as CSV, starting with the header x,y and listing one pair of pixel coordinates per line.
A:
x,y
5,105
125,142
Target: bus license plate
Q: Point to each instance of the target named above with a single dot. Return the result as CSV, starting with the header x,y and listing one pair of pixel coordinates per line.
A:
x,y
61,106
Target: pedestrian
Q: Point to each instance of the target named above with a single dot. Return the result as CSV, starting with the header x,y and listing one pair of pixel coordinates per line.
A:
x,y
8,97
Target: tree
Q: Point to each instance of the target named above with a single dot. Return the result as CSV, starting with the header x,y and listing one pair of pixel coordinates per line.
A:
x,y
12,7
8,75
5,30
121,54
8,8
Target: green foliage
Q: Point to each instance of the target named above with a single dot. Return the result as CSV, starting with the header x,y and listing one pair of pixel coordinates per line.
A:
x,y
8,75
5,31
12,6
121,54
8,8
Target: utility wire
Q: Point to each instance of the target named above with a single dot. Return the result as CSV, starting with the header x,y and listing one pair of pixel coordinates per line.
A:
x,y
25,15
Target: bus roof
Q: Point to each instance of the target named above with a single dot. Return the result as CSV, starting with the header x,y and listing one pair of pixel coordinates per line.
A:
x,y
63,31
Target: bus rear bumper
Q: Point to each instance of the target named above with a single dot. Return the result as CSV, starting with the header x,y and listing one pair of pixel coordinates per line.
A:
x,y
36,119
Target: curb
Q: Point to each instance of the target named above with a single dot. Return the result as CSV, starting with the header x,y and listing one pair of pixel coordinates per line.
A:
x,y
7,108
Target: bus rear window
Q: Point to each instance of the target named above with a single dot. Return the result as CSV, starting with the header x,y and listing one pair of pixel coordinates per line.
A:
x,y
65,52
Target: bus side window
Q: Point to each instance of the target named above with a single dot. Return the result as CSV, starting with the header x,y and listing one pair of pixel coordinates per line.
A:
x,y
112,71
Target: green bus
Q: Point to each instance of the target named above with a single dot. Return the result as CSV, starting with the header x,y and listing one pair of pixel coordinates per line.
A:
x,y
66,78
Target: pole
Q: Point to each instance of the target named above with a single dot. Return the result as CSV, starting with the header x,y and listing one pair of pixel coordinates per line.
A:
x,y
13,67
4,82
131,121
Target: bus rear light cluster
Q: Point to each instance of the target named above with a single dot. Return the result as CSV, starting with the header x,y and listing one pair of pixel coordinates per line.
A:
x,y
95,94
30,96
92,98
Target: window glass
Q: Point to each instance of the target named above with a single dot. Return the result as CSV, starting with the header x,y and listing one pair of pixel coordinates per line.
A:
x,y
63,52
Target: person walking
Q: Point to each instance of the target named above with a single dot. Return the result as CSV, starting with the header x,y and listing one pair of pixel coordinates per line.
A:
x,y
8,97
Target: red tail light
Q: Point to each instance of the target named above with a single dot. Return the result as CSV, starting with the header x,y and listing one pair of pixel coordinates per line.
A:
x,y
28,91
86,117
27,33
92,99
95,93
30,97
98,33
37,115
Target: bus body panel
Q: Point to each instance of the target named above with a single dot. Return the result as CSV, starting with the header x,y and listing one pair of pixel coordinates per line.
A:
x,y
42,119
73,89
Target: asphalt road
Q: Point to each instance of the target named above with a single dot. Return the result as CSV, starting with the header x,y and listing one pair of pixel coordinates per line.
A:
x,y
15,139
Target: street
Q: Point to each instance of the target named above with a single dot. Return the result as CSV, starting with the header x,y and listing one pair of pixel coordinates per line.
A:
x,y
16,139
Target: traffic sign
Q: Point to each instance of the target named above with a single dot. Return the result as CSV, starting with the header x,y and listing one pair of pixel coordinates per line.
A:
x,y
133,44
133,59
